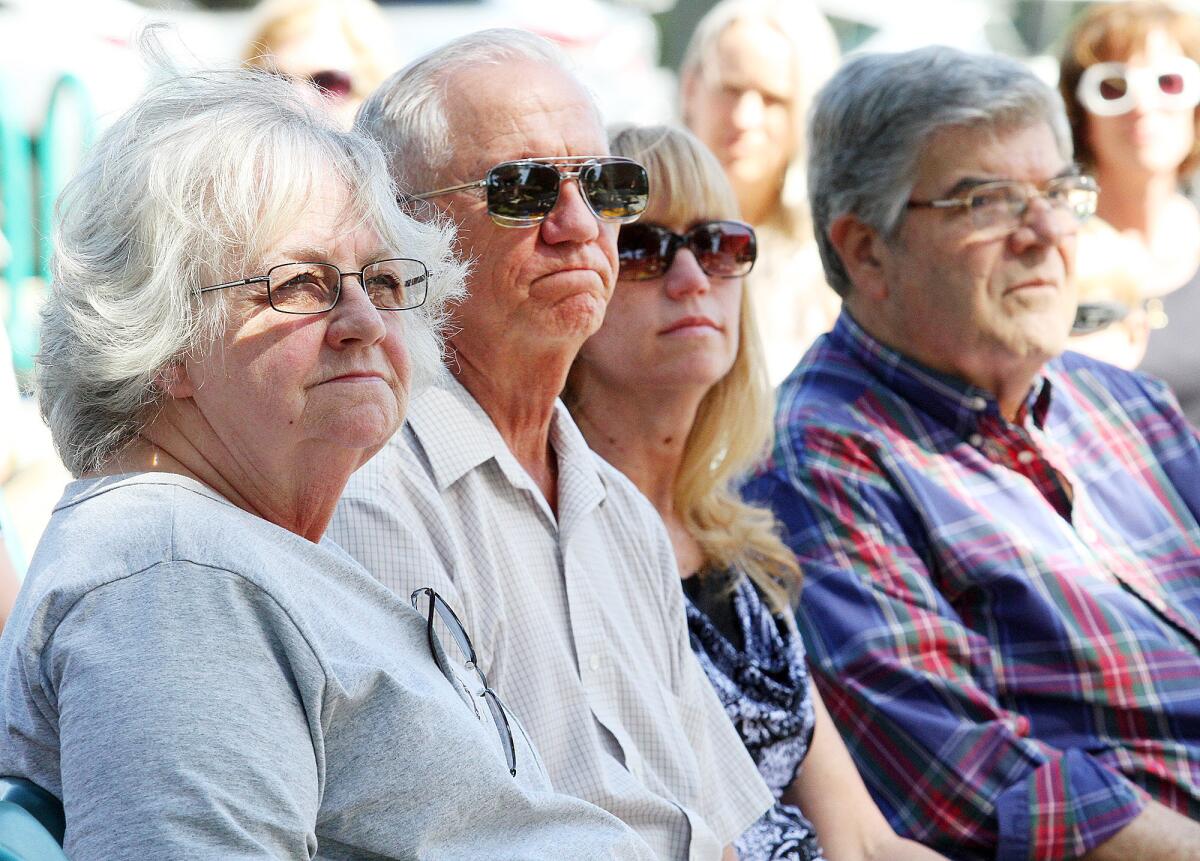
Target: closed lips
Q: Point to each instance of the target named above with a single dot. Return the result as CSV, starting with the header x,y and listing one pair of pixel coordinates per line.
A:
x,y
689,322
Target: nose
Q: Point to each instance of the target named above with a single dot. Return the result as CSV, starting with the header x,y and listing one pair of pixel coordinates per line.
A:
x,y
748,110
354,321
1042,223
571,220
685,277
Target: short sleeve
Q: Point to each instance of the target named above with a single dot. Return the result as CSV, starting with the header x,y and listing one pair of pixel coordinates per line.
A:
x,y
189,720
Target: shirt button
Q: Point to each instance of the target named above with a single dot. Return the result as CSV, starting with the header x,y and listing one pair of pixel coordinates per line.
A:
x,y
975,440
978,404
1088,534
1025,456
594,663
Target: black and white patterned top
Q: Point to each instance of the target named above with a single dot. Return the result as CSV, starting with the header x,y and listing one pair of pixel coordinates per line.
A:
x,y
755,661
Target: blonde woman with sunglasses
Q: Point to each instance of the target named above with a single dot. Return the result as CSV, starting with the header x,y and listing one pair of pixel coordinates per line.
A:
x,y
673,392
1131,85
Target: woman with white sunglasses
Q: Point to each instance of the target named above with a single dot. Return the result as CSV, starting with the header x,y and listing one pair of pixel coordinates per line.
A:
x,y
1131,84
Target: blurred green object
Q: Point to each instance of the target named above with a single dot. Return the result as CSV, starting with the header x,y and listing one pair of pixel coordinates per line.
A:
x,y
58,150
16,194
67,131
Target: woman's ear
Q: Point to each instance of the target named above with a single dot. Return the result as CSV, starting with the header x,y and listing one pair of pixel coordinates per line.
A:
x,y
174,381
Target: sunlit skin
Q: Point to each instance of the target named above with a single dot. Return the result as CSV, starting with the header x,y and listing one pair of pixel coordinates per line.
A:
x,y
988,310
675,333
740,105
664,343
277,413
535,293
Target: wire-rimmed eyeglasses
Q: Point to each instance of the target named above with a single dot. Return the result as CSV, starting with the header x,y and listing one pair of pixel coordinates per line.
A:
x,y
1000,207
458,650
396,284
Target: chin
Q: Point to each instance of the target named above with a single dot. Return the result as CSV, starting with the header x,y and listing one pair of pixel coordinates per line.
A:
x,y
363,426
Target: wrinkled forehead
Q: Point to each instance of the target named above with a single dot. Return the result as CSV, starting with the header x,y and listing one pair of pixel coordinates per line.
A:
x,y
956,157
522,109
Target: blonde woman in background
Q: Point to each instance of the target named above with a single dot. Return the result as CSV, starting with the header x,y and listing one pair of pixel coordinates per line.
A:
x,y
673,392
748,77
341,47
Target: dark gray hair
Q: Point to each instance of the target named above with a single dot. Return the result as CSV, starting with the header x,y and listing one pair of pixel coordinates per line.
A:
x,y
408,113
874,117
191,187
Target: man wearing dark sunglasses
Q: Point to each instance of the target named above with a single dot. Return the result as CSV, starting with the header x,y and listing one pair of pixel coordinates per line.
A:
x,y
1000,540
562,573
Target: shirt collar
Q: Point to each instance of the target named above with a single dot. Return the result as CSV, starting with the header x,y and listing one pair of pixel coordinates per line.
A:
x,y
951,401
447,408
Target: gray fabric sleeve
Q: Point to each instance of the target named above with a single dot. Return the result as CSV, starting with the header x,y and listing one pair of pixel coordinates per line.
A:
x,y
189,720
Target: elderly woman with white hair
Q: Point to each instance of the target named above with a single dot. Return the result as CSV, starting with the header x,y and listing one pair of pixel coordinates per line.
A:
x,y
239,313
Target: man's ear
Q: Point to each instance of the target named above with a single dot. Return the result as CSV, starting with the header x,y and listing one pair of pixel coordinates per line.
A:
x,y
861,250
174,381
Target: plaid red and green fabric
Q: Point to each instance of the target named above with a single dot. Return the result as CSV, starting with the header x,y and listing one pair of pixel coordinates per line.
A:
x,y
1004,618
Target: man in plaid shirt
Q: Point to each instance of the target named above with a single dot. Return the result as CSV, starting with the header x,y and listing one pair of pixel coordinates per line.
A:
x,y
1001,547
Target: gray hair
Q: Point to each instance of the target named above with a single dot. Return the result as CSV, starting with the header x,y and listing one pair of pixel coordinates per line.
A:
x,y
873,119
188,188
409,113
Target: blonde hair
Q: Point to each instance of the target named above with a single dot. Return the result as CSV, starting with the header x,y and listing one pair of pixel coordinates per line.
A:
x,y
361,24
733,427
815,57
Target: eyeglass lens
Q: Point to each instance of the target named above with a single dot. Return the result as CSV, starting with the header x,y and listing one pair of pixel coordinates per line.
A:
x,y
310,288
1004,204
523,193
455,648
724,249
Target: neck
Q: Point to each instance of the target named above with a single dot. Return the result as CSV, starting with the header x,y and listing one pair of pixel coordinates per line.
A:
x,y
301,500
1006,377
1134,200
518,394
759,201
644,434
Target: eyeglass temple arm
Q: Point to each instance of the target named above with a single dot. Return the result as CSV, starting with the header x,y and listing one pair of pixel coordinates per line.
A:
x,y
936,204
479,183
234,284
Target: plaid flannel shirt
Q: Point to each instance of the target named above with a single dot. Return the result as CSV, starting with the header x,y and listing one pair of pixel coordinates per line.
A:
x,y
1004,618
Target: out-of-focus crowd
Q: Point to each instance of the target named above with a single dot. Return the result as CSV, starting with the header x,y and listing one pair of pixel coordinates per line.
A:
x,y
447,474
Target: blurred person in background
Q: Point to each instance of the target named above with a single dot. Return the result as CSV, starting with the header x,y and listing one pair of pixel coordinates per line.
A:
x,y
1111,322
1131,84
238,315
340,47
747,79
673,392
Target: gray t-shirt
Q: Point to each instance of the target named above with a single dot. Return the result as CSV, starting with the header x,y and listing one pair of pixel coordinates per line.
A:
x,y
196,682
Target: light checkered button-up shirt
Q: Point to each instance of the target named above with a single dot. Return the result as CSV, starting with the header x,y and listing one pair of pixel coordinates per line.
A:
x,y
578,622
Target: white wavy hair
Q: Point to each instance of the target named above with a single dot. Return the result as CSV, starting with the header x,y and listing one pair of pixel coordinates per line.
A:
x,y
188,188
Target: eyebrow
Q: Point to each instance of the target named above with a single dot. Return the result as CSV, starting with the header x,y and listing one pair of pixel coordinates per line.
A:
x,y
319,254
969,182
